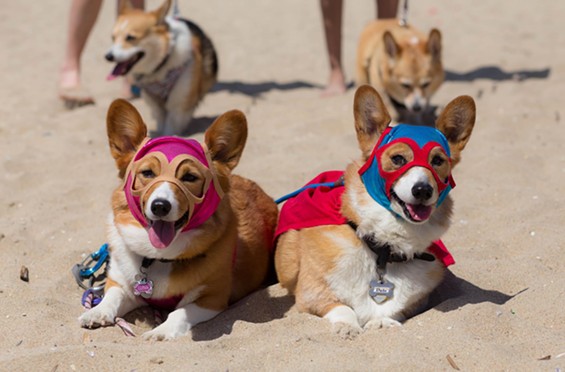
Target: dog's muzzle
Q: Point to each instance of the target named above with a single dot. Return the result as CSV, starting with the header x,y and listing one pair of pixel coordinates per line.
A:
x,y
421,140
171,152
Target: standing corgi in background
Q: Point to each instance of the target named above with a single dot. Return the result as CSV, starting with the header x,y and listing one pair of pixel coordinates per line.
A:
x,y
366,252
185,234
404,65
170,59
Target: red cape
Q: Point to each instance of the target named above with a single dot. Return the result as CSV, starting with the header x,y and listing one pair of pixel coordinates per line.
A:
x,y
322,206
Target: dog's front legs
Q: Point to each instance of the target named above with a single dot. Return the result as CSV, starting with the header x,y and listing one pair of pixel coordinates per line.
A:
x,y
344,321
115,303
180,321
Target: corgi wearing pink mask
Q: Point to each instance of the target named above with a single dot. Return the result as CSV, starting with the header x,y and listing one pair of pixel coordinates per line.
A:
x,y
185,234
365,252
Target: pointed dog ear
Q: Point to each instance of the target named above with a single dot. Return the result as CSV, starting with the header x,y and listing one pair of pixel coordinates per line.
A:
x,y
456,122
392,48
371,118
434,44
226,138
124,6
161,12
126,131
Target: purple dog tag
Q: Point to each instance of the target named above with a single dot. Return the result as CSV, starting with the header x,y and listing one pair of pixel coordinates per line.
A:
x,y
143,287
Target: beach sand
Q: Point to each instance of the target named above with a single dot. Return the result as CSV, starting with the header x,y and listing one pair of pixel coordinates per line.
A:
x,y
502,306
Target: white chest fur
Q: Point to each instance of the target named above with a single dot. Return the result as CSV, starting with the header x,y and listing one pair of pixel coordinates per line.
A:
x,y
350,282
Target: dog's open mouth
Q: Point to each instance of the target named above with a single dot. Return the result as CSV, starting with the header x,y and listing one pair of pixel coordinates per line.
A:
x,y
162,233
414,212
123,68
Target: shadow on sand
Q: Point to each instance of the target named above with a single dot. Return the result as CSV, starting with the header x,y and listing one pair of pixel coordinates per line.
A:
x,y
455,292
257,89
495,73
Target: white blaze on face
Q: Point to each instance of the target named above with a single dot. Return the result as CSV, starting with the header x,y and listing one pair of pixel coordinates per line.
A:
x,y
165,192
404,185
414,40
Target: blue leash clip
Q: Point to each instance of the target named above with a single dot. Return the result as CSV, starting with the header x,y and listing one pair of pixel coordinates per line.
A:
x,y
86,270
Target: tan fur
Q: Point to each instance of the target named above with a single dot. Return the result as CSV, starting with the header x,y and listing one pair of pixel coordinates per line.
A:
x,y
309,261
151,32
228,256
402,63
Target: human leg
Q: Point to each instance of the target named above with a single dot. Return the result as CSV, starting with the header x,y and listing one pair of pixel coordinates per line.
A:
x,y
83,15
332,16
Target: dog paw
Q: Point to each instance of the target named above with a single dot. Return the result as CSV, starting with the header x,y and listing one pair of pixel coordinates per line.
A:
x,y
164,332
346,331
96,317
383,323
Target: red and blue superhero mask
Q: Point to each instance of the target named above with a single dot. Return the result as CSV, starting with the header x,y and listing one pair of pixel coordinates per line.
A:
x,y
422,140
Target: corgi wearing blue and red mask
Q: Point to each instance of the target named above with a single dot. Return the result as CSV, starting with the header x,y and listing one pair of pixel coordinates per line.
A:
x,y
366,252
185,234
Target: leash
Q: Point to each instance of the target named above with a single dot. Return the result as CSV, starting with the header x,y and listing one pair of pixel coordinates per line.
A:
x,y
91,274
85,274
403,21
339,182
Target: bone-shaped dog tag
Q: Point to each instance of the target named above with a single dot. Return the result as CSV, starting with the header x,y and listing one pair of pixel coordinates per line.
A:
x,y
381,291
143,287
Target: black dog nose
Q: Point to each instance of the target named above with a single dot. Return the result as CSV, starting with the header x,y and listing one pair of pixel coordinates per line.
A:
x,y
417,107
109,57
160,207
422,191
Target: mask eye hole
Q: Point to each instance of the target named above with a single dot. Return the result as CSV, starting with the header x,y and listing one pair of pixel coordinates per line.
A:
x,y
398,160
147,173
438,161
188,177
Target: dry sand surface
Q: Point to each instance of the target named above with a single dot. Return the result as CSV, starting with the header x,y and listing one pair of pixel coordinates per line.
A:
x,y
503,305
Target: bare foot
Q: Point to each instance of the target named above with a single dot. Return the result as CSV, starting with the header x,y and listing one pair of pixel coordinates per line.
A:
x,y
336,84
71,92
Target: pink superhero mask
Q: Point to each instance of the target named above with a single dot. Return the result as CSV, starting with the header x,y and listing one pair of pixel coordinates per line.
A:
x,y
171,152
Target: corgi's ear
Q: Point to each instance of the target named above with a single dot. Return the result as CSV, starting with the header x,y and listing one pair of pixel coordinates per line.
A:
x,y
124,6
226,138
161,12
126,131
392,48
434,44
456,122
371,118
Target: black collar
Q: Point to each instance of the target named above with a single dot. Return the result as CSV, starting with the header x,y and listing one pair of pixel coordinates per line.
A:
x,y
149,261
384,251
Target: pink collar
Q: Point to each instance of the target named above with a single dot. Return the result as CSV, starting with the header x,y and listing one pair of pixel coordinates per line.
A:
x,y
171,151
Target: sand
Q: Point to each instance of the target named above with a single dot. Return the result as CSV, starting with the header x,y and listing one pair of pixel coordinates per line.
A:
x,y
500,308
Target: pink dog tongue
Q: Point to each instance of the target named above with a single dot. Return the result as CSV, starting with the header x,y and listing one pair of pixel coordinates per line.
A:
x,y
419,212
161,234
117,71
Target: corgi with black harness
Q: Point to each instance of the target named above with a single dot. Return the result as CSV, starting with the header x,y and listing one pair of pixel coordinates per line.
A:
x,y
365,250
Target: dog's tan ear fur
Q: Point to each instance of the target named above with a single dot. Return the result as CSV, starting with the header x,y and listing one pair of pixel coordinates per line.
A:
x,y
433,46
226,138
126,130
371,118
161,12
456,122
124,6
391,46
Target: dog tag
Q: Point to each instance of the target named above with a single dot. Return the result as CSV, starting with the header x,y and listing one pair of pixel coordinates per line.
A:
x,y
143,287
381,291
